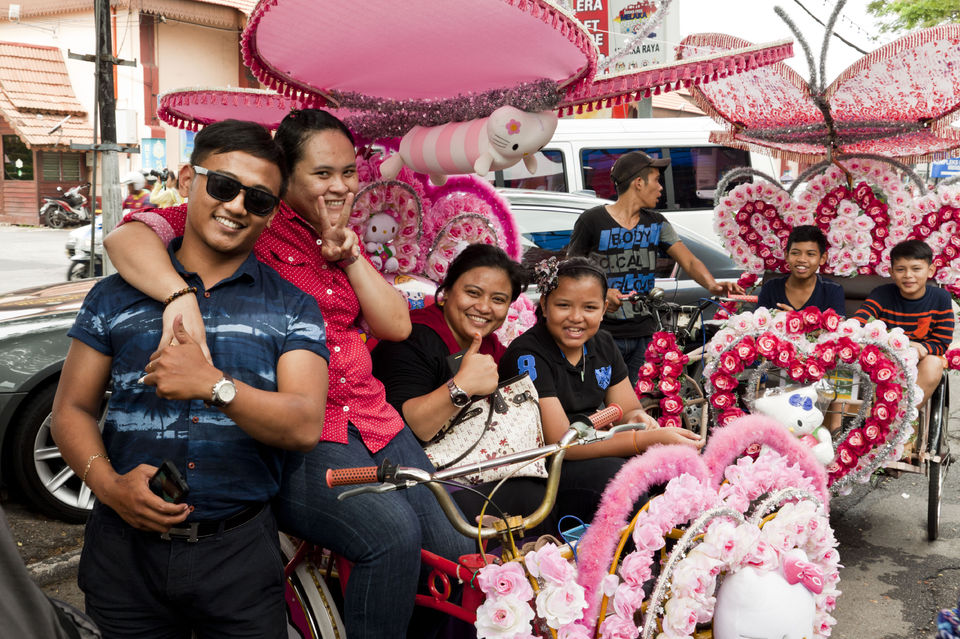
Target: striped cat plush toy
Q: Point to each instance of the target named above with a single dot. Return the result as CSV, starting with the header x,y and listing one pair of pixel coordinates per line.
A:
x,y
493,143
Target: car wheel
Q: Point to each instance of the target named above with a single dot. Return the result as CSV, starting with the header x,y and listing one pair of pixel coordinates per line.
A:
x,y
39,470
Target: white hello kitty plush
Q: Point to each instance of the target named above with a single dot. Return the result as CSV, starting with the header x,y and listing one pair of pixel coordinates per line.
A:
x,y
497,142
769,604
797,410
378,240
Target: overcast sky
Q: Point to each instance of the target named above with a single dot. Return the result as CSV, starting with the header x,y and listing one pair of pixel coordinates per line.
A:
x,y
756,21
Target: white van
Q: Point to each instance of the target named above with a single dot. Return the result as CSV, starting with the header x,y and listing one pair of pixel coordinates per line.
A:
x,y
582,152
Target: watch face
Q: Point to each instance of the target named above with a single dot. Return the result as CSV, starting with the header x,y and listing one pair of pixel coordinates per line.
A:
x,y
457,396
226,391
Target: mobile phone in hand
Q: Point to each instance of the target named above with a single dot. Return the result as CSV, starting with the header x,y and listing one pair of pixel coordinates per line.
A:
x,y
168,483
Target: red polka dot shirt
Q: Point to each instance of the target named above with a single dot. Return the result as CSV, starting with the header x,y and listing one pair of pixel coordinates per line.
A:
x,y
292,247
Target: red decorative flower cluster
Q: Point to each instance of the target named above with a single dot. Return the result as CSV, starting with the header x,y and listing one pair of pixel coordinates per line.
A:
x,y
953,359
661,372
826,356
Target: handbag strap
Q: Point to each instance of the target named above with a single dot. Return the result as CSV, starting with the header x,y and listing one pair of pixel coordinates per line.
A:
x,y
495,398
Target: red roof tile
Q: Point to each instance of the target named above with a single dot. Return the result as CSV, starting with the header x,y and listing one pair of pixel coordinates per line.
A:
x,y
36,96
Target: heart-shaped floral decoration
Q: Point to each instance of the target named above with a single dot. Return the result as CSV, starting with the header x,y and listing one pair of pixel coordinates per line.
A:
x,y
864,212
809,344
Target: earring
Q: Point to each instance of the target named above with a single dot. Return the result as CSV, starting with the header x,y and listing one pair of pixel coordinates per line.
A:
x,y
439,299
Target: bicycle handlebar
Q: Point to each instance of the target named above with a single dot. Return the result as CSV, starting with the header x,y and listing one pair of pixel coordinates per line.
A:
x,y
348,476
583,430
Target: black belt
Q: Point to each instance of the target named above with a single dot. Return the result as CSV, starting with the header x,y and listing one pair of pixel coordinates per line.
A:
x,y
199,529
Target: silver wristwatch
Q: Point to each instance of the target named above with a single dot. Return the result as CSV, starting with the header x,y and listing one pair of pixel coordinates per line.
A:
x,y
223,391
457,395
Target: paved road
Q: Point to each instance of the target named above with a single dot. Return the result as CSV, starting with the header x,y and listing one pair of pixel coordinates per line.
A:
x,y
32,256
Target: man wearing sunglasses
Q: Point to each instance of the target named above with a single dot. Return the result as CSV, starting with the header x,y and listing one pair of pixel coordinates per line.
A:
x,y
200,555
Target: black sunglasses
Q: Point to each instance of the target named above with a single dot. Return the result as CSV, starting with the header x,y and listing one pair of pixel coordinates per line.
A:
x,y
224,188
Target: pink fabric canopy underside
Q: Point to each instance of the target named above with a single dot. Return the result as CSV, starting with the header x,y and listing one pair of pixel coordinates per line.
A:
x,y
413,49
897,101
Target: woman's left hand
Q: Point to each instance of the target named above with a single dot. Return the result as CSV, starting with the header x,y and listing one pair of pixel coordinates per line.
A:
x,y
338,241
640,416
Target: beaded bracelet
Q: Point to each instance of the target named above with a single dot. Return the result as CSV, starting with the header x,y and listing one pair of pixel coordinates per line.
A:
x,y
347,261
89,462
183,291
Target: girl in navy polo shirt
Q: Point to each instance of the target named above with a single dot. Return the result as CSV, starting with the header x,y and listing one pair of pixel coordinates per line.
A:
x,y
578,369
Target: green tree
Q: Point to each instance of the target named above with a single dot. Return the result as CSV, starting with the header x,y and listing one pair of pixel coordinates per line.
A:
x,y
906,15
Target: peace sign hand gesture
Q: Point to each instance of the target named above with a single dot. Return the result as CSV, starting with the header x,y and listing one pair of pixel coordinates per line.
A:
x,y
338,241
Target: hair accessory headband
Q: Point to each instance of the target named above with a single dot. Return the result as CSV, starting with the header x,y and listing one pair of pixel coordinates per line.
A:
x,y
545,273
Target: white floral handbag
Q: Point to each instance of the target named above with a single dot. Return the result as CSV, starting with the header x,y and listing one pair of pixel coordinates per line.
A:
x,y
505,422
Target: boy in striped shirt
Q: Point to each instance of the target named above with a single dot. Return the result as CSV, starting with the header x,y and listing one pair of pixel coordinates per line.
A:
x,y
923,311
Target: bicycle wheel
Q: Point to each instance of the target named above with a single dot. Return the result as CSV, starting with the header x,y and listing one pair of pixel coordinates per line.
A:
x,y
939,407
311,610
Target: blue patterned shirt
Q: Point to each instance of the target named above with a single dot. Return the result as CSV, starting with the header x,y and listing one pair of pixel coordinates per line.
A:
x,y
252,318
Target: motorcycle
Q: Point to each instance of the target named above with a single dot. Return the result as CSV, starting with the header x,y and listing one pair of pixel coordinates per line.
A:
x,y
78,250
70,207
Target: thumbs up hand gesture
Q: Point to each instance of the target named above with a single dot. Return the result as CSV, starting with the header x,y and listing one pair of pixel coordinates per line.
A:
x,y
181,371
478,372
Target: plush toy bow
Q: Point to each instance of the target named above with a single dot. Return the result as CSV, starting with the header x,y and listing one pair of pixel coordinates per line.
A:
x,y
810,575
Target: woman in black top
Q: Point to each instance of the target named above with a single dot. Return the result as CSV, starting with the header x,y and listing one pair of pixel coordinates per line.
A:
x,y
452,354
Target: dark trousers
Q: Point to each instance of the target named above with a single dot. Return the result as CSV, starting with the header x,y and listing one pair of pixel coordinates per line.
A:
x,y
634,351
226,585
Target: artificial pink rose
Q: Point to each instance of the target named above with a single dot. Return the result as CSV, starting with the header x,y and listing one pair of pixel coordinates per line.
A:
x,y
810,316
551,566
679,617
884,371
953,359
830,320
648,538
644,386
870,356
747,280
833,469
796,370
648,370
742,217
723,401
573,631
672,370
813,371
767,345
723,381
795,323
670,421
858,442
729,363
662,342
671,405
504,617
848,350
562,604
674,356
846,457
503,580
669,386
746,349
882,412
785,355
872,433
616,627
826,354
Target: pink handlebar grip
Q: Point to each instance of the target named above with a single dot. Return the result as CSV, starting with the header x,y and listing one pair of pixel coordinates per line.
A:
x,y
743,298
347,476
606,416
